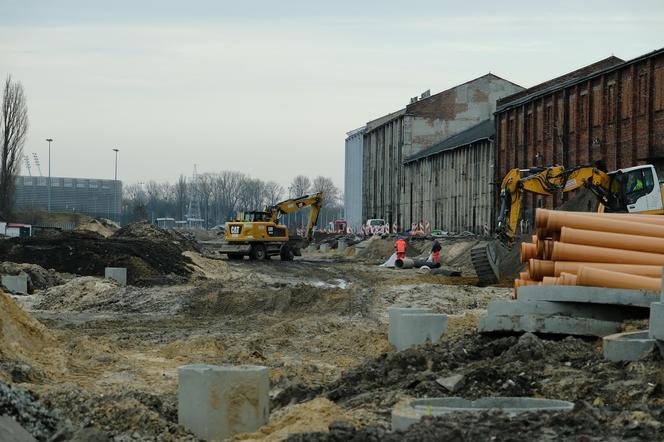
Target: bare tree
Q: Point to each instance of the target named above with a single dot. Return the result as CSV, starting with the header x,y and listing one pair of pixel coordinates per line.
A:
x,y
330,191
13,129
181,196
299,186
274,192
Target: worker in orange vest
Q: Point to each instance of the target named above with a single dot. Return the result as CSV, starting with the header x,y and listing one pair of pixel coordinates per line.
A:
x,y
400,247
435,251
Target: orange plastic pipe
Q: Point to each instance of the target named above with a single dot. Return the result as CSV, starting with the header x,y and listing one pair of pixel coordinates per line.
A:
x,y
576,252
550,280
538,269
542,216
613,240
524,275
533,239
559,219
590,276
528,250
572,267
567,279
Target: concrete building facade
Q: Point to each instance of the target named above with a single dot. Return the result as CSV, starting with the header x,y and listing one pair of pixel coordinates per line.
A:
x,y
389,140
93,197
450,183
353,179
611,111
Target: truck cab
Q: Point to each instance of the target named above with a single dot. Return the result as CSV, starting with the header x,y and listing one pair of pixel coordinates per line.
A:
x,y
636,190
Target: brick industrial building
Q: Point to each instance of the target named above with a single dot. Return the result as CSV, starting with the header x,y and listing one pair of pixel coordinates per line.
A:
x,y
611,110
390,140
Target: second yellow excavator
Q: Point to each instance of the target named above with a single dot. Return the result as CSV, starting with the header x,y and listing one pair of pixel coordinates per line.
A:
x,y
631,190
259,235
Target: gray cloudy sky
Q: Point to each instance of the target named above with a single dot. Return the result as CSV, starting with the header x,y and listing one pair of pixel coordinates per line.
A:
x,y
270,87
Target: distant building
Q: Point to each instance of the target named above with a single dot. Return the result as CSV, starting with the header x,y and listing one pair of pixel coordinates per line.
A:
x,y
92,197
353,179
421,125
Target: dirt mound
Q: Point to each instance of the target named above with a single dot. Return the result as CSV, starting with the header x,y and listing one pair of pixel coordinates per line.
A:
x,y
127,415
29,412
38,277
147,261
101,226
585,423
143,230
77,294
315,415
528,366
378,248
27,350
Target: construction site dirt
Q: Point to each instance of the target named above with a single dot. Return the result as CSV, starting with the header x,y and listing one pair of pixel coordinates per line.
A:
x,y
85,358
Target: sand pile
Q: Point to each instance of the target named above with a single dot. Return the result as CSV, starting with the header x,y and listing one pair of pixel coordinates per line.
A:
x,y
312,416
27,350
101,226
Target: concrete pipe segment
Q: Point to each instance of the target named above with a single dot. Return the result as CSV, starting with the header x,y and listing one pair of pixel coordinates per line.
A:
x,y
405,263
411,412
631,346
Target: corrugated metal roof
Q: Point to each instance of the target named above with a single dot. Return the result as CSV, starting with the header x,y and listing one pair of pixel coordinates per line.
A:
x,y
572,82
482,131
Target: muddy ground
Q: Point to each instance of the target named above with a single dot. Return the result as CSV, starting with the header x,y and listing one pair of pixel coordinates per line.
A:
x,y
103,359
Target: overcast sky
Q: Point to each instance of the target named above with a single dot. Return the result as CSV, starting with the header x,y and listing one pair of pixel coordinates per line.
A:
x,y
270,88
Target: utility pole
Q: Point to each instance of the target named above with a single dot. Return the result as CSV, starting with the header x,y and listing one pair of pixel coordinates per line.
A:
x,y
50,140
115,188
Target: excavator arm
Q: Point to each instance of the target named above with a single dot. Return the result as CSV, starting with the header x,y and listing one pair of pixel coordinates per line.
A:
x,y
315,201
545,181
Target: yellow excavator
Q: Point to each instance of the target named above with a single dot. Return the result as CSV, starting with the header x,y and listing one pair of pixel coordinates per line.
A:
x,y
259,235
631,190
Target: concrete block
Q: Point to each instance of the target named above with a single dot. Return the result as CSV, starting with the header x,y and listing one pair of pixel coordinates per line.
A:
x,y
603,312
12,431
631,346
15,283
547,324
656,329
594,295
418,328
411,412
118,274
216,402
341,246
324,248
394,313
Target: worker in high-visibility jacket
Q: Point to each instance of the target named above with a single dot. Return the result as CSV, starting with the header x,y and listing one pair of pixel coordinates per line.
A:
x,y
400,247
435,251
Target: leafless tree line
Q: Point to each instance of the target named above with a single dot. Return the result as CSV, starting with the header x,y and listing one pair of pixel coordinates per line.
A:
x,y
220,195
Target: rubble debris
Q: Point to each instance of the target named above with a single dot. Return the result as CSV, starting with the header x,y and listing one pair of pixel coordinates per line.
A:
x,y
28,411
39,278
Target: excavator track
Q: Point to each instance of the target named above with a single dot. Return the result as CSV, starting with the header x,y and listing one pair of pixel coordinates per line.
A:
x,y
483,257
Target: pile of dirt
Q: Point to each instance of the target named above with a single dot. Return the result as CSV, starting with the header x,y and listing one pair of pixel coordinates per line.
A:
x,y
382,248
38,277
148,261
569,369
126,415
313,416
22,405
143,230
101,226
584,423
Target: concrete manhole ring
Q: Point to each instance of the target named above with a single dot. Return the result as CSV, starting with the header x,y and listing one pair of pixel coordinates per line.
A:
x,y
409,412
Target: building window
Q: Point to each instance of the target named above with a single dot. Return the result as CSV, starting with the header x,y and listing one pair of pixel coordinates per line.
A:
x,y
584,110
597,106
659,89
611,102
572,113
68,182
81,184
55,182
27,181
42,181
643,93
94,184
626,98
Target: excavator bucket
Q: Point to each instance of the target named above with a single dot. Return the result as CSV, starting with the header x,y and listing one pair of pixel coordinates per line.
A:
x,y
485,259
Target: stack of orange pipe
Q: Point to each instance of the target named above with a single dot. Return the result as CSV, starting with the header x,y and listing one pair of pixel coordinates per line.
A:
x,y
613,250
